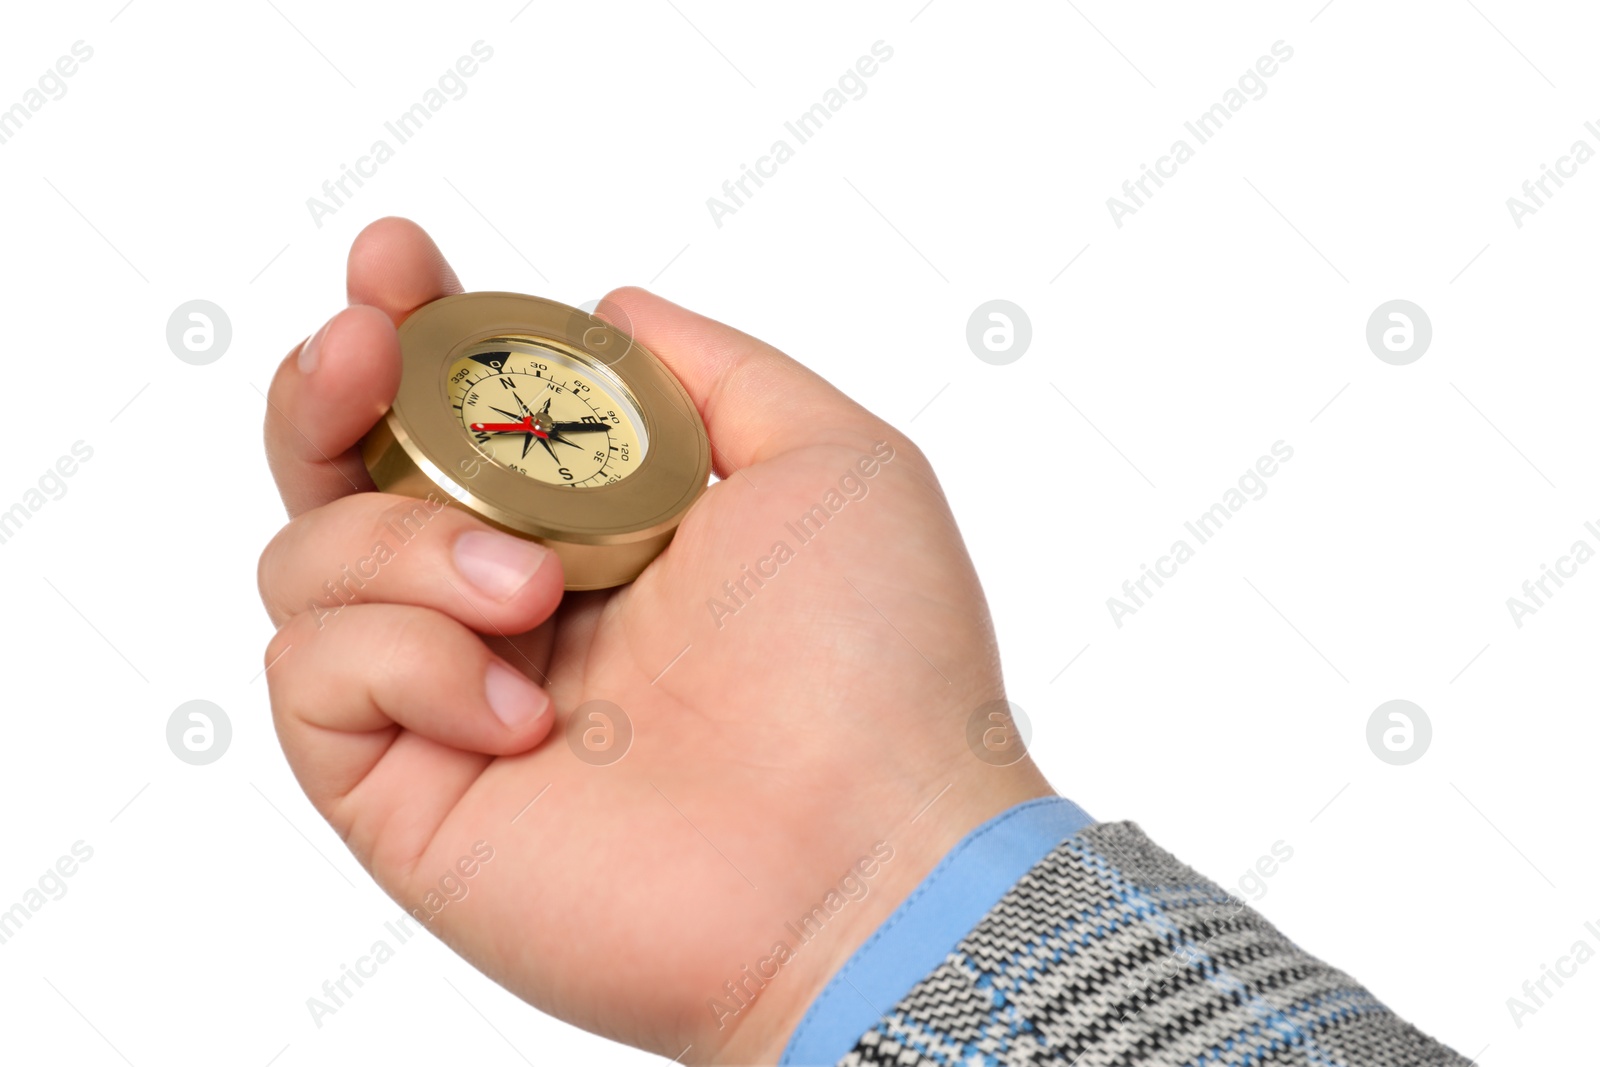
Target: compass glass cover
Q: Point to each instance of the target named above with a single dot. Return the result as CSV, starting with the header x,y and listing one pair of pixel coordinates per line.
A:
x,y
546,414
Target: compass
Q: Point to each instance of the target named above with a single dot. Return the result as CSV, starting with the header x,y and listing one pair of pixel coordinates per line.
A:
x,y
545,422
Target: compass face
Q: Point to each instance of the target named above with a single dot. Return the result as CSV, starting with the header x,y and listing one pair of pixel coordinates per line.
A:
x,y
547,415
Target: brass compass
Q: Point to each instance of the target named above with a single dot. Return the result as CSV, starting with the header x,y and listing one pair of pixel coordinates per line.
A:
x,y
546,422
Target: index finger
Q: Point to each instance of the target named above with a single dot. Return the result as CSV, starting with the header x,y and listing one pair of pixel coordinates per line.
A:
x,y
332,388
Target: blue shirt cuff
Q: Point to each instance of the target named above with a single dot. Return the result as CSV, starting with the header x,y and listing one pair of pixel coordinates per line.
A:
x,y
937,915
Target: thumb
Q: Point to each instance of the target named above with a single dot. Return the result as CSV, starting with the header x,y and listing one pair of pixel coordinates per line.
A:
x,y
756,401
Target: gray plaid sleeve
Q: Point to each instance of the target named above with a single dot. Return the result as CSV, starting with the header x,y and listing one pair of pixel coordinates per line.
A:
x,y
1112,952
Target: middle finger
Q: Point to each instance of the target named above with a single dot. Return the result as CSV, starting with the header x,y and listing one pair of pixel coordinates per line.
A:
x,y
382,548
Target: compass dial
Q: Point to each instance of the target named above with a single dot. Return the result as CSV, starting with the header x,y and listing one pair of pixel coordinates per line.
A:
x,y
547,415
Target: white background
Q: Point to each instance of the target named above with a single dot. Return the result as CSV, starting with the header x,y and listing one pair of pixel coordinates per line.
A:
x,y
1227,314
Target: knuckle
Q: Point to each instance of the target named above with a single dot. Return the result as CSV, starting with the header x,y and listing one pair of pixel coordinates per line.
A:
x,y
294,684
299,631
268,569
907,450
624,294
281,666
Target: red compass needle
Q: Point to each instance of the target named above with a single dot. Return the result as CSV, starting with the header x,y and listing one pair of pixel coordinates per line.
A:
x,y
525,426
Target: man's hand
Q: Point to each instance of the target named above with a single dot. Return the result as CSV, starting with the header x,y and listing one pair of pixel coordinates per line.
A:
x,y
798,668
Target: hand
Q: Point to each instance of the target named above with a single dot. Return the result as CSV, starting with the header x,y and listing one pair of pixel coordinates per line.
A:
x,y
790,709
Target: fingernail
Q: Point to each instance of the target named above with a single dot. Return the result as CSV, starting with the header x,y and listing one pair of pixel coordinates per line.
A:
x,y
497,564
514,700
311,351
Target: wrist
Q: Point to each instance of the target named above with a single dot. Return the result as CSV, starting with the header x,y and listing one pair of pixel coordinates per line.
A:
x,y
773,1007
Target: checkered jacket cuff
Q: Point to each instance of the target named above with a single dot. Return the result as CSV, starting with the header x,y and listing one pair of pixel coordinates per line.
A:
x,y
1112,952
